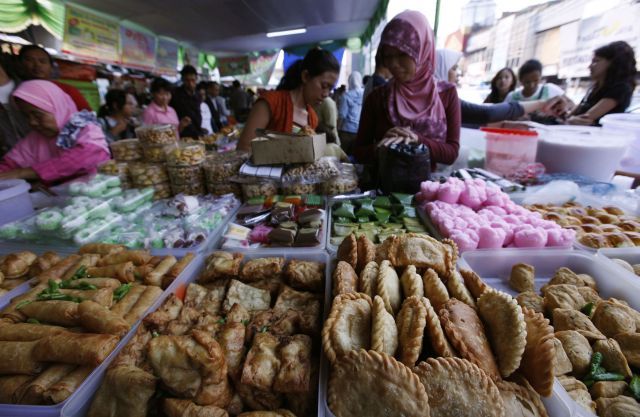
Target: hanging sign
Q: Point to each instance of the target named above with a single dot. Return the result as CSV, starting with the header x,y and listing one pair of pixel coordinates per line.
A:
x,y
89,35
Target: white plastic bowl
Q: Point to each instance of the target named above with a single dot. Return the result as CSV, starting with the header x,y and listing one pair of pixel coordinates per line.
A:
x,y
630,124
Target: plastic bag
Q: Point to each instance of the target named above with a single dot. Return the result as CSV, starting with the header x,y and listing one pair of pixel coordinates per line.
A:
x,y
401,168
556,192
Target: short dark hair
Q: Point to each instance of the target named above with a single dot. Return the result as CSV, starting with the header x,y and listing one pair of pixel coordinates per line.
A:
x,y
27,48
114,100
316,62
188,70
622,62
528,67
236,83
202,85
159,84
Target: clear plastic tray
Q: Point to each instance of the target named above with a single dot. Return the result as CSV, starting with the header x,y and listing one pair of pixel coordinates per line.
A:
x,y
631,255
78,403
494,267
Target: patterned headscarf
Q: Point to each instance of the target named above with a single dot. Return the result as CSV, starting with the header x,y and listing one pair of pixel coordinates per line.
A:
x,y
415,104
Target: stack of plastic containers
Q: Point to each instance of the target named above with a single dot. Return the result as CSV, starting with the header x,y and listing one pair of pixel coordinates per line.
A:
x,y
184,164
219,169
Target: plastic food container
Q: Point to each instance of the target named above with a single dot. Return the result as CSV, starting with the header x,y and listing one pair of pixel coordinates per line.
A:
x,y
338,185
186,153
126,150
15,201
221,168
628,123
222,188
188,189
158,134
185,174
143,175
132,199
155,152
118,169
298,188
584,150
494,266
509,150
259,188
162,190
631,255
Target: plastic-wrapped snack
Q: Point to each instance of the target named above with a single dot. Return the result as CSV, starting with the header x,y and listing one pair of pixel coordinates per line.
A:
x,y
188,189
155,153
126,150
112,167
143,175
298,188
9,231
132,199
320,170
112,192
186,174
162,190
222,167
222,188
49,220
186,153
259,187
160,134
92,231
338,185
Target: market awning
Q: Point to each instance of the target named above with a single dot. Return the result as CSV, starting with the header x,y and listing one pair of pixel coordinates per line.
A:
x,y
241,25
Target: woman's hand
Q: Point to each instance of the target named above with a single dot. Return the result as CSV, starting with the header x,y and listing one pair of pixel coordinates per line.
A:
x,y
399,135
184,122
19,173
582,120
559,106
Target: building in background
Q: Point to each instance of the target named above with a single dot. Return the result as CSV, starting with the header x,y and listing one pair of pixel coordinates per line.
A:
x,y
479,14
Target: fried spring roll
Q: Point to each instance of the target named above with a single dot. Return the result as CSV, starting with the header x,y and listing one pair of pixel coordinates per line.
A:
x,y
44,262
12,313
101,248
103,296
26,332
64,313
138,257
10,284
123,306
155,276
33,392
98,282
66,386
18,358
86,261
9,385
145,301
57,271
99,319
124,271
142,271
180,265
175,407
74,348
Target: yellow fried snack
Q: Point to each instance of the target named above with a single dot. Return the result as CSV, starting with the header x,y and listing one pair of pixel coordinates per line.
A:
x,y
578,350
613,360
384,332
261,268
457,289
612,318
345,279
617,406
366,252
567,319
373,384
630,346
522,277
457,387
348,326
439,342
411,283
434,289
411,322
423,252
348,251
520,401
537,360
388,287
561,363
368,279
466,333
473,282
531,300
506,328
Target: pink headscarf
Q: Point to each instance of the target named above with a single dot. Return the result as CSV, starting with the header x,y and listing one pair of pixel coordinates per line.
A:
x,y
415,104
47,96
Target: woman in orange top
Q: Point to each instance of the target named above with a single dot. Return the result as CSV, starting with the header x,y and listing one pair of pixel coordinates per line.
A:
x,y
289,108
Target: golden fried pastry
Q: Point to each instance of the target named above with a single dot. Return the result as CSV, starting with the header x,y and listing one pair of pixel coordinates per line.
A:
x,y
613,359
505,327
434,289
618,406
368,279
629,226
565,276
562,296
612,318
411,283
348,251
348,326
306,304
607,389
567,319
411,321
531,300
221,264
607,218
262,268
16,265
262,363
457,289
566,221
281,412
434,332
630,347
456,387
388,287
366,251
279,323
466,333
537,359
554,217
583,398
384,332
594,240
613,210
423,252
591,219
256,399
42,263
387,249
570,383
251,298
174,407
631,311
618,240
295,365
610,228
578,350
359,374
635,238
345,279
589,295
473,282
522,277
520,401
561,363
305,275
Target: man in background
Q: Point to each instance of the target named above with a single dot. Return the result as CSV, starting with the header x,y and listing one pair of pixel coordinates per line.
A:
x,y
186,102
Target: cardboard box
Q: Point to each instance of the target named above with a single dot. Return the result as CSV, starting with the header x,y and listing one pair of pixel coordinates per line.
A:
x,y
281,148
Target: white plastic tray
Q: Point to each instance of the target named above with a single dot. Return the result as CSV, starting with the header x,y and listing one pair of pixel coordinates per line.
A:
x,y
631,255
78,403
494,267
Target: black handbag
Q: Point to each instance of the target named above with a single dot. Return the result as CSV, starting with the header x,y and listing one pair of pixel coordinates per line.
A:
x,y
402,167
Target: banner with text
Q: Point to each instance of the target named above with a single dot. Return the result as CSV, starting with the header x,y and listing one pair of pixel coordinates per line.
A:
x,y
138,48
167,56
89,35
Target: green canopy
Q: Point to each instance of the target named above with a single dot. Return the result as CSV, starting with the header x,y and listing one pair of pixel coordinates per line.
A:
x,y
17,15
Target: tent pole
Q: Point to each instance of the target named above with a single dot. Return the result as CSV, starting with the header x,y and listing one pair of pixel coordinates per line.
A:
x,y
437,19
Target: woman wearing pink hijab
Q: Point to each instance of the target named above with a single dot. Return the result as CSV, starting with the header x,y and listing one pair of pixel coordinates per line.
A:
x,y
413,106
63,143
